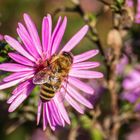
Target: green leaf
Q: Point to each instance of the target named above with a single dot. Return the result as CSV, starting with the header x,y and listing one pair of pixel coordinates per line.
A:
x,y
85,122
120,1
96,134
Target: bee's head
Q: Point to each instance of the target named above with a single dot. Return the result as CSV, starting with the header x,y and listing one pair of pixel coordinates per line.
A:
x,y
65,60
68,55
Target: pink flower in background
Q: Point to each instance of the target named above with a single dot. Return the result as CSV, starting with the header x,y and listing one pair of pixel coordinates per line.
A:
x,y
38,134
134,132
120,68
1,37
130,3
137,17
100,90
32,56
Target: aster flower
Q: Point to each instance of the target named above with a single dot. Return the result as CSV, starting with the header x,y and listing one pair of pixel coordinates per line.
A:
x,y
131,85
31,57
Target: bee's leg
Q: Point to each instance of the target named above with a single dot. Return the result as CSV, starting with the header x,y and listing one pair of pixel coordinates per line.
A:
x,y
64,87
61,93
66,83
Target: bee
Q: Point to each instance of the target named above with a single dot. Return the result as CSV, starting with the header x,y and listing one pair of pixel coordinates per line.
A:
x,y
51,77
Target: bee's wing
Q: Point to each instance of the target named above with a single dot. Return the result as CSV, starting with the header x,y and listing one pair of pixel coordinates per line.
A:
x,y
41,77
62,92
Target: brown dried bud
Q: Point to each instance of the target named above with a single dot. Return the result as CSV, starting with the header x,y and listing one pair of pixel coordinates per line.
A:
x,y
76,2
114,38
90,6
115,41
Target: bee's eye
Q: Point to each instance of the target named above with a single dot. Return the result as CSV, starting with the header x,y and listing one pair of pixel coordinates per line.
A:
x,y
65,53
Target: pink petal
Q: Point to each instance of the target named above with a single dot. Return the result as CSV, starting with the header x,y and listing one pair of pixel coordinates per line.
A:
x,y
59,113
21,86
1,37
16,45
56,29
46,32
13,67
44,117
54,115
85,56
75,39
80,85
14,96
60,95
73,93
85,74
39,113
74,104
20,59
58,36
33,33
12,83
85,65
130,85
27,41
18,75
24,31
57,116
18,90
62,110
49,117
17,102
132,81
52,118
21,98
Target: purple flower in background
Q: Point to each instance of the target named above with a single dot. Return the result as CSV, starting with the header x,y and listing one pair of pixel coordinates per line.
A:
x,y
121,65
131,85
33,56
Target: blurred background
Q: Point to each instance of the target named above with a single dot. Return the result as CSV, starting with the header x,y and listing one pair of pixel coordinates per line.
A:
x,y
22,123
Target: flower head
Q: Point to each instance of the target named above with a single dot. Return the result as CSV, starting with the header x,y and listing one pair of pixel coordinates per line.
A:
x,y
137,17
120,69
131,85
33,56
1,37
130,4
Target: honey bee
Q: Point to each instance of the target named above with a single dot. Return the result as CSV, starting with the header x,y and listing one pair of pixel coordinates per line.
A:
x,y
51,77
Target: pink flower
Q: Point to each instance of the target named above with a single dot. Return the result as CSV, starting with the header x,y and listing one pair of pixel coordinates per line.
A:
x,y
31,57
137,17
1,37
131,86
129,3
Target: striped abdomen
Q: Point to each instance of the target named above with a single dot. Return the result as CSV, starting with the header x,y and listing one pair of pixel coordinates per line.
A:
x,y
47,92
